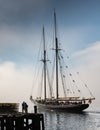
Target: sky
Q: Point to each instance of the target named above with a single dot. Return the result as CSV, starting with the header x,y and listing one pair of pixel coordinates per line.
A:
x,y
21,22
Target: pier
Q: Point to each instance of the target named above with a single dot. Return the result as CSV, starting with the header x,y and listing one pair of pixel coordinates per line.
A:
x,y
22,121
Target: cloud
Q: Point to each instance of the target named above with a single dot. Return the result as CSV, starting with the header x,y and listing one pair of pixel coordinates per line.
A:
x,y
20,28
15,83
18,45
20,11
87,62
94,48
89,55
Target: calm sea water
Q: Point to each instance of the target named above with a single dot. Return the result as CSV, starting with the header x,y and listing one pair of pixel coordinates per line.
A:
x,y
89,120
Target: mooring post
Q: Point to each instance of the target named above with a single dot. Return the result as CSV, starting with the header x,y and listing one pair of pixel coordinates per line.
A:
x,y
2,124
42,122
35,109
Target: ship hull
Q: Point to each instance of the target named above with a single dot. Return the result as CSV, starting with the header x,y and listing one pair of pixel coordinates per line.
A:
x,y
67,108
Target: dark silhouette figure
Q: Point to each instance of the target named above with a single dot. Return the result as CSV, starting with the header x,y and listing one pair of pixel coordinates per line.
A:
x,y
24,107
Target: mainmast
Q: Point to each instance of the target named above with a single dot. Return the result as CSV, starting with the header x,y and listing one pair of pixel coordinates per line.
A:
x,y
56,51
44,61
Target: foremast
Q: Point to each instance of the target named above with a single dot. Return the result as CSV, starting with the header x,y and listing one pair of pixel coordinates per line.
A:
x,y
56,51
44,61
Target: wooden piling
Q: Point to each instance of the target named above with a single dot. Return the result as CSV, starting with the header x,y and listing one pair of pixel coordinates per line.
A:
x,y
35,109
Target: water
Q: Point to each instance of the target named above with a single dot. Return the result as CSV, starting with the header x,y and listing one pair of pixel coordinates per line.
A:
x,y
71,121
89,120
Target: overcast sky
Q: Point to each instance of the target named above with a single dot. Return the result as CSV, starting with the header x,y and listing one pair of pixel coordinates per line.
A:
x,y
21,24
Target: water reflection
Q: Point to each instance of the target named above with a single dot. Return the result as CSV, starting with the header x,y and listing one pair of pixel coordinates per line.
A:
x,y
71,121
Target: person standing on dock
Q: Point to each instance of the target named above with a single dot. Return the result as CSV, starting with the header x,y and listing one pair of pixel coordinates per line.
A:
x,y
24,107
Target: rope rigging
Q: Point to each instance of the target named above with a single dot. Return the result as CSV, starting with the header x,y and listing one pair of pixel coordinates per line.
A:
x,y
37,69
68,83
68,86
72,81
85,86
52,75
50,86
62,77
41,85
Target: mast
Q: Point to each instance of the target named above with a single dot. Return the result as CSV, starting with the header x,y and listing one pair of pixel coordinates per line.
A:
x,y
44,61
56,51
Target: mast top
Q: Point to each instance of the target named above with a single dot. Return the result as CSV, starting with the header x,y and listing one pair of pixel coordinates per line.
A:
x,y
55,24
44,39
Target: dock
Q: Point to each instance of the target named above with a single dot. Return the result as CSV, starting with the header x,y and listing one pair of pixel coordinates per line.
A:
x,y
22,121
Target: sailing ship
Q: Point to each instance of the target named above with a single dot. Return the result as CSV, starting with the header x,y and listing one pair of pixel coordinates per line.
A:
x,y
68,102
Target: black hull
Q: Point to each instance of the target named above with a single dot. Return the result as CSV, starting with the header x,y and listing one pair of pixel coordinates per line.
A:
x,y
67,108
